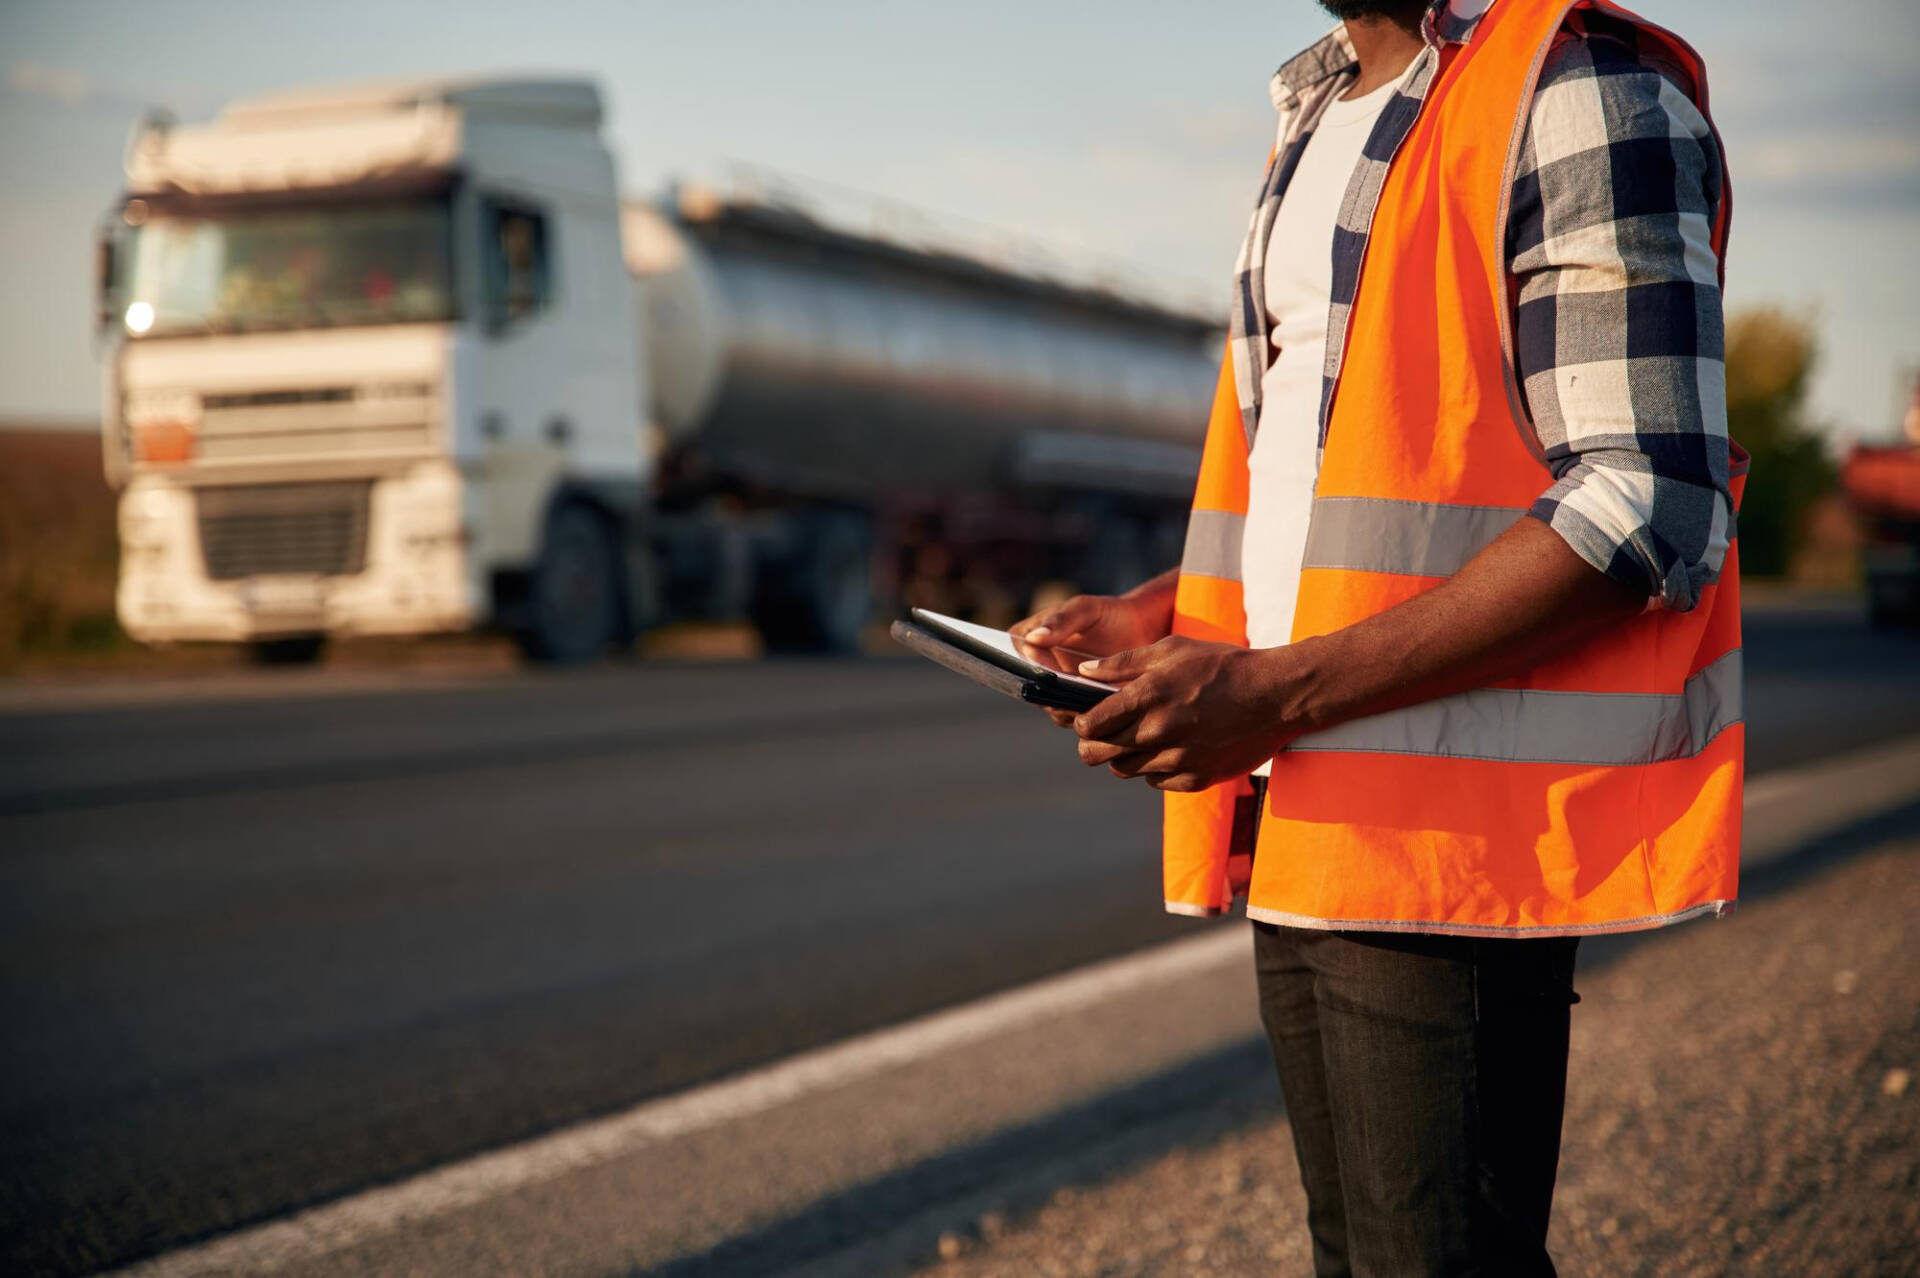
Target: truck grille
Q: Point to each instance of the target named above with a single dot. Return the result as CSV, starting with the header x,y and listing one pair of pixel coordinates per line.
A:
x,y
390,419
283,528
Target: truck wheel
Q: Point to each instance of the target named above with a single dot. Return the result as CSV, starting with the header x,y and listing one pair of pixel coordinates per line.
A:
x,y
287,650
820,599
1881,610
573,596
1892,605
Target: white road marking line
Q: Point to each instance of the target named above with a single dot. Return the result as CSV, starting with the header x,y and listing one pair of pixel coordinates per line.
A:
x,y
1837,790
1771,786
1785,809
334,1226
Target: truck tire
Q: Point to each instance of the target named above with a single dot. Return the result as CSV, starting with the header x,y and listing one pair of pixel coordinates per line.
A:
x,y
287,650
1892,604
573,593
820,598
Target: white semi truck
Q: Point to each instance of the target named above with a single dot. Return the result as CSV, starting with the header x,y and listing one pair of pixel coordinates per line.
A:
x,y
397,359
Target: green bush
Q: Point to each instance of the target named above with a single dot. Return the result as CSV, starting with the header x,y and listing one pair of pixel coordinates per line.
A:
x,y
1770,356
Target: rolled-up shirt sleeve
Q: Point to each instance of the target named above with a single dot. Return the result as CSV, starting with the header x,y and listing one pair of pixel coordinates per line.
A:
x,y
1618,335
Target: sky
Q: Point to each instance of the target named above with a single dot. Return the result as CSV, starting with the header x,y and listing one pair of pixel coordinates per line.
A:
x,y
1129,131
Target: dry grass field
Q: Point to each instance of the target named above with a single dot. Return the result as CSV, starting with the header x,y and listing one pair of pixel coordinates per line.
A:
x,y
58,549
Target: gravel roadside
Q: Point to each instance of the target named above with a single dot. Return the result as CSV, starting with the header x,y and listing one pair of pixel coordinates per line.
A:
x,y
1742,1101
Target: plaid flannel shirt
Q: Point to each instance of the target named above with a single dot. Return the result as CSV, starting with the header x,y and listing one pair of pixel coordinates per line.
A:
x,y
1617,302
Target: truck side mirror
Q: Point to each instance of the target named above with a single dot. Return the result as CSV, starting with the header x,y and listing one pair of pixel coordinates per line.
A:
x,y
106,279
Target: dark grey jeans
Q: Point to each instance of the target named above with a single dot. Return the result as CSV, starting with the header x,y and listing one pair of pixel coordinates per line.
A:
x,y
1424,1078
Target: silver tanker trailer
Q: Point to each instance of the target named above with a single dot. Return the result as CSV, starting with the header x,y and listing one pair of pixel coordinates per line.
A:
x,y
396,359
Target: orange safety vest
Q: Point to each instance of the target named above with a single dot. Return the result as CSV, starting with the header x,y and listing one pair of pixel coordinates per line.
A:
x,y
1598,792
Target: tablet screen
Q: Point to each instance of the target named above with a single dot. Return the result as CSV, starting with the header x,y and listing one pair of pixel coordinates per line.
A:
x,y
1001,642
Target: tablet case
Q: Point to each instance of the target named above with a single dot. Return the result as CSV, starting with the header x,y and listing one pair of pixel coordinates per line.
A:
x,y
1041,688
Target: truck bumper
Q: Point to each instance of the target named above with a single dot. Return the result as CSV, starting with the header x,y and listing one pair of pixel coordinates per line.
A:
x,y
415,576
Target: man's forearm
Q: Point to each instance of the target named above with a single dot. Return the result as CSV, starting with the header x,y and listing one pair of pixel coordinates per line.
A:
x,y
1524,600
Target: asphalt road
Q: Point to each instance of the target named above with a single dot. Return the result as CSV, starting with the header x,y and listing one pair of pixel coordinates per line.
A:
x,y
258,953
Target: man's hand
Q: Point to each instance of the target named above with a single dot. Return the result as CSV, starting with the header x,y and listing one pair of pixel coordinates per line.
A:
x,y
1096,626
1089,626
1191,714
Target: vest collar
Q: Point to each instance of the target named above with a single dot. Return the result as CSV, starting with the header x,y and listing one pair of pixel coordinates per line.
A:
x,y
1446,22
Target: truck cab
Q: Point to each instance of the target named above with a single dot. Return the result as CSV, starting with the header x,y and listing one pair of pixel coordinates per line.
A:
x,y
371,369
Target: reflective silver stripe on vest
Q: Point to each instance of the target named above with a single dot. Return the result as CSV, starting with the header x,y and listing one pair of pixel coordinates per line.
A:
x,y
1415,538
1616,729
1213,544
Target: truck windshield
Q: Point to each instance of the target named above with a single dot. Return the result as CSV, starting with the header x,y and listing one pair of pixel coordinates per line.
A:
x,y
312,267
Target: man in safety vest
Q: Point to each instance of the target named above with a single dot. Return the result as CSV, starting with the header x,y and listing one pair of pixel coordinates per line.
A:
x,y
1449,675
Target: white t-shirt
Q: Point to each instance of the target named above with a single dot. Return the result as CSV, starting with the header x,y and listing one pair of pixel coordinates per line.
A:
x,y
1299,286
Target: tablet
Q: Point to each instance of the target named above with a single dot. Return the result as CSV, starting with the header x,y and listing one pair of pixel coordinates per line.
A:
x,y
996,646
993,659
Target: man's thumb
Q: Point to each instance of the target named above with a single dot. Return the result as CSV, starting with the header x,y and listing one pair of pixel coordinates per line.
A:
x,y
1119,667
